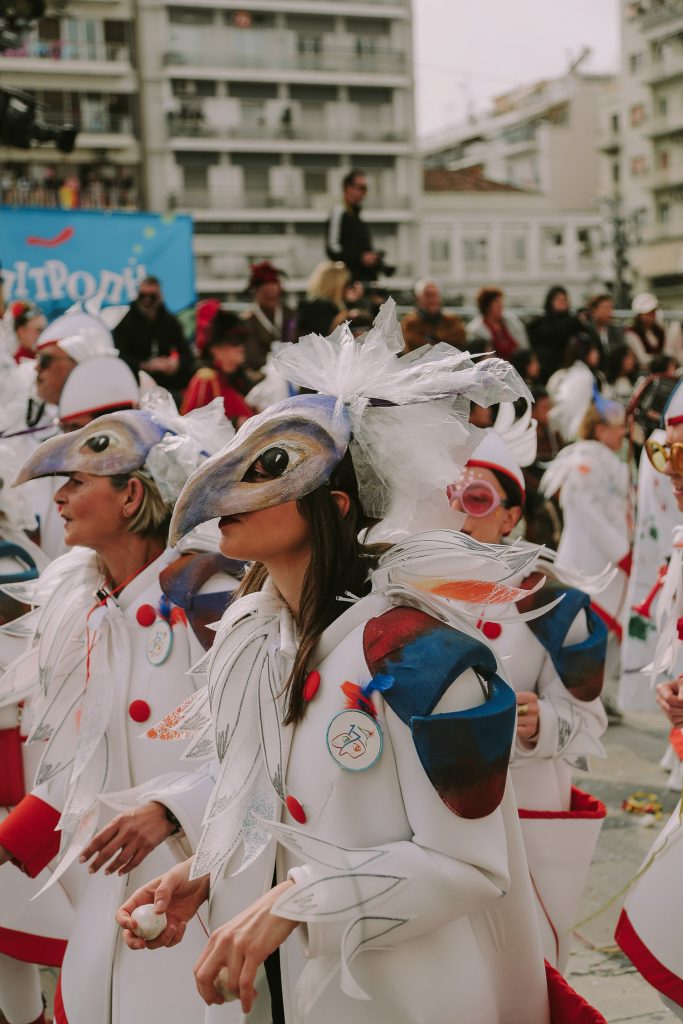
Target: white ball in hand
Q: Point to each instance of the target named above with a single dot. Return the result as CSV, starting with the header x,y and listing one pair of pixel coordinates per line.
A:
x,y
220,983
147,924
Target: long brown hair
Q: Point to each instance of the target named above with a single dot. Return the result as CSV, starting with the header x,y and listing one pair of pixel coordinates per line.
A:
x,y
340,563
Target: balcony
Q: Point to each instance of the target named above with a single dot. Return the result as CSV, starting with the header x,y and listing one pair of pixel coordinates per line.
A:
x,y
98,196
98,57
198,128
666,124
663,178
667,67
278,52
659,14
202,199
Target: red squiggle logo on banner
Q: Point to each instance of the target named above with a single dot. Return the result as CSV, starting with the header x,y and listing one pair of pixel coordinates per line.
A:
x,y
51,243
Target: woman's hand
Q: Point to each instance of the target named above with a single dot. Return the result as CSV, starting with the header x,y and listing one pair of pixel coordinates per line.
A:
x,y
127,840
670,700
241,946
527,717
172,894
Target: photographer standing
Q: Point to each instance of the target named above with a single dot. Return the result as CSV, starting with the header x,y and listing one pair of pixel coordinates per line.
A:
x,y
348,237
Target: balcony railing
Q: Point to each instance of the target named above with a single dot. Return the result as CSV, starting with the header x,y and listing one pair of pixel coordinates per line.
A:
x,y
669,65
197,127
93,124
90,197
201,199
661,13
61,50
279,55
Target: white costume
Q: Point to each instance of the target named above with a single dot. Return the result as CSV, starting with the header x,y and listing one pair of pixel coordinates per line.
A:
x,y
98,667
656,518
386,800
572,394
560,657
594,496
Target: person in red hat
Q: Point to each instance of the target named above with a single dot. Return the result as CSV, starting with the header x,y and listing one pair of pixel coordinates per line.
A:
x,y
268,319
224,378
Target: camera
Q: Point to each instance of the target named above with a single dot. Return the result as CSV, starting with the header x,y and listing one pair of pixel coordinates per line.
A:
x,y
20,127
384,268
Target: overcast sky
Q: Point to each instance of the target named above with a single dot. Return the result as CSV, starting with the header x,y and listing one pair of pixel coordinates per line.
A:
x,y
469,50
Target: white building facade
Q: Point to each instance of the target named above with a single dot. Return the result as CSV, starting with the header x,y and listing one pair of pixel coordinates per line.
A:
x,y
642,143
246,118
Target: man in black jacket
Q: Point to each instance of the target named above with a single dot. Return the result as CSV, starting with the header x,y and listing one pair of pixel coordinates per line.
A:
x,y
150,338
348,237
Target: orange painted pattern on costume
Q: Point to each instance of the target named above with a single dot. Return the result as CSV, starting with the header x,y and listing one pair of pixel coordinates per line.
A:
x,y
166,728
472,591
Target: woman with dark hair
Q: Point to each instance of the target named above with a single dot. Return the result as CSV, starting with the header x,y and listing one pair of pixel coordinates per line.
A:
x,y
572,387
28,322
224,378
341,722
111,644
503,332
550,333
621,373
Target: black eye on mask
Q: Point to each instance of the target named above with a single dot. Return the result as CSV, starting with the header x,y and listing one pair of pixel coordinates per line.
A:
x,y
274,461
99,443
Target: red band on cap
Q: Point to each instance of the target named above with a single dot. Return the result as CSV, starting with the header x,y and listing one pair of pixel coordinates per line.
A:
x,y
672,421
480,464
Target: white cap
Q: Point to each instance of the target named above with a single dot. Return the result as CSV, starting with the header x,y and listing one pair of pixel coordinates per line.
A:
x,y
644,302
494,454
96,386
79,335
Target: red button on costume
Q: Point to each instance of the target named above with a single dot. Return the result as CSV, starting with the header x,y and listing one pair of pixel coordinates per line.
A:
x,y
296,810
146,614
311,685
492,630
139,710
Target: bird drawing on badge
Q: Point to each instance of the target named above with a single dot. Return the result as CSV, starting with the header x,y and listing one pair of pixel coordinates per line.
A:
x,y
352,743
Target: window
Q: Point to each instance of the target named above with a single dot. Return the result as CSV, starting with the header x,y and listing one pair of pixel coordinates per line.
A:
x,y
637,115
475,251
440,252
513,249
190,16
663,211
662,106
315,181
616,172
638,165
663,159
635,63
614,123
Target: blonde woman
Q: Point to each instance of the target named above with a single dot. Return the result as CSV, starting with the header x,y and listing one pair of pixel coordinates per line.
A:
x,y
324,308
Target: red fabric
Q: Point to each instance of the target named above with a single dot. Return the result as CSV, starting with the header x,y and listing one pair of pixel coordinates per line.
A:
x,y
60,1015
566,1005
503,342
626,563
608,619
654,972
202,389
11,767
23,353
28,833
582,805
32,949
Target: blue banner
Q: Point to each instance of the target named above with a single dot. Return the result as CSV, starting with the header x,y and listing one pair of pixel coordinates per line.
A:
x,y
56,258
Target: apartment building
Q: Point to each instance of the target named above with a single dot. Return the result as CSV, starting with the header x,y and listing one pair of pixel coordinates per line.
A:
x,y
81,67
476,232
247,118
511,196
642,142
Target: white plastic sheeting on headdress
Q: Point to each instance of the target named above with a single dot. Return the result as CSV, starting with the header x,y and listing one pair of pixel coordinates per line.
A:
x,y
508,445
668,612
15,511
404,457
191,439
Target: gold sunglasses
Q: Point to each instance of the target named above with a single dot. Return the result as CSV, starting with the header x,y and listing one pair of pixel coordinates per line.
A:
x,y
660,454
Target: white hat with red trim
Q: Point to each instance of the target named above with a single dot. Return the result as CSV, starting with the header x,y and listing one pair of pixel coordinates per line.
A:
x,y
97,386
673,410
80,335
508,445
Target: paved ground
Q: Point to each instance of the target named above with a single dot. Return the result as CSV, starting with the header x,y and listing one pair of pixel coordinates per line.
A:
x,y
597,969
